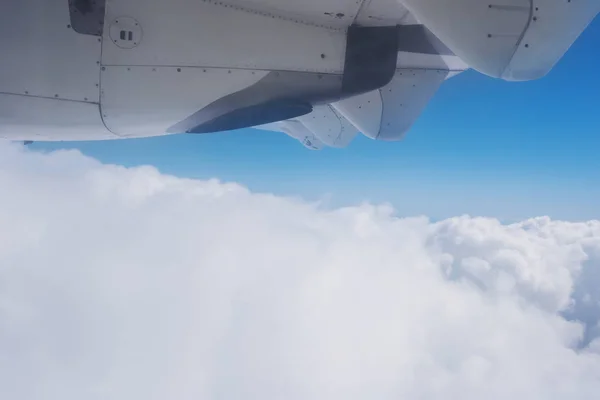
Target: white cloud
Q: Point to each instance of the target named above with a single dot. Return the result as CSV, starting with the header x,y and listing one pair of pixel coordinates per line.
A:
x,y
127,284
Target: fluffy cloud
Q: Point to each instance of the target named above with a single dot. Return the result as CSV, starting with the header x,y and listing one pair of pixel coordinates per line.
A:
x,y
127,284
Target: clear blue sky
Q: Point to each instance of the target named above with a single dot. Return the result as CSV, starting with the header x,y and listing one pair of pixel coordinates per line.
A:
x,y
482,147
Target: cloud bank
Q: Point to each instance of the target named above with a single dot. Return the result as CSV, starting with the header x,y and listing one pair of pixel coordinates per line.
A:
x,y
127,284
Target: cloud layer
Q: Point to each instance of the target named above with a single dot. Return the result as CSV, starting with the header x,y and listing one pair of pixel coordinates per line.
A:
x,y
127,284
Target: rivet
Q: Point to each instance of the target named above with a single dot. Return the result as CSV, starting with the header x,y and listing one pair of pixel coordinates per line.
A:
x,y
103,68
489,35
55,95
85,98
26,92
69,26
535,18
322,55
526,45
178,69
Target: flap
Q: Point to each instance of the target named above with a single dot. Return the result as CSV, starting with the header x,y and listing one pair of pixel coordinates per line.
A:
x,y
330,126
388,113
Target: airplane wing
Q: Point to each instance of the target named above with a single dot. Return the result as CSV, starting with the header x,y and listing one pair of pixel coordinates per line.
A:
x,y
320,71
493,42
421,62
383,114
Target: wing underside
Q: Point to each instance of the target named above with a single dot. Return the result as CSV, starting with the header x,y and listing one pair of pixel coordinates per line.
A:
x,y
507,39
380,99
321,71
422,63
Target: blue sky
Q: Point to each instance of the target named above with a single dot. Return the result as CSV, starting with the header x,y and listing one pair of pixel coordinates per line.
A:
x,y
482,147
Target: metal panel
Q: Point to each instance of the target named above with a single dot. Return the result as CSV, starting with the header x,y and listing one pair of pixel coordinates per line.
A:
x,y
405,98
42,119
429,61
212,34
363,111
43,56
555,25
485,35
388,113
329,126
334,13
298,131
383,13
146,101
